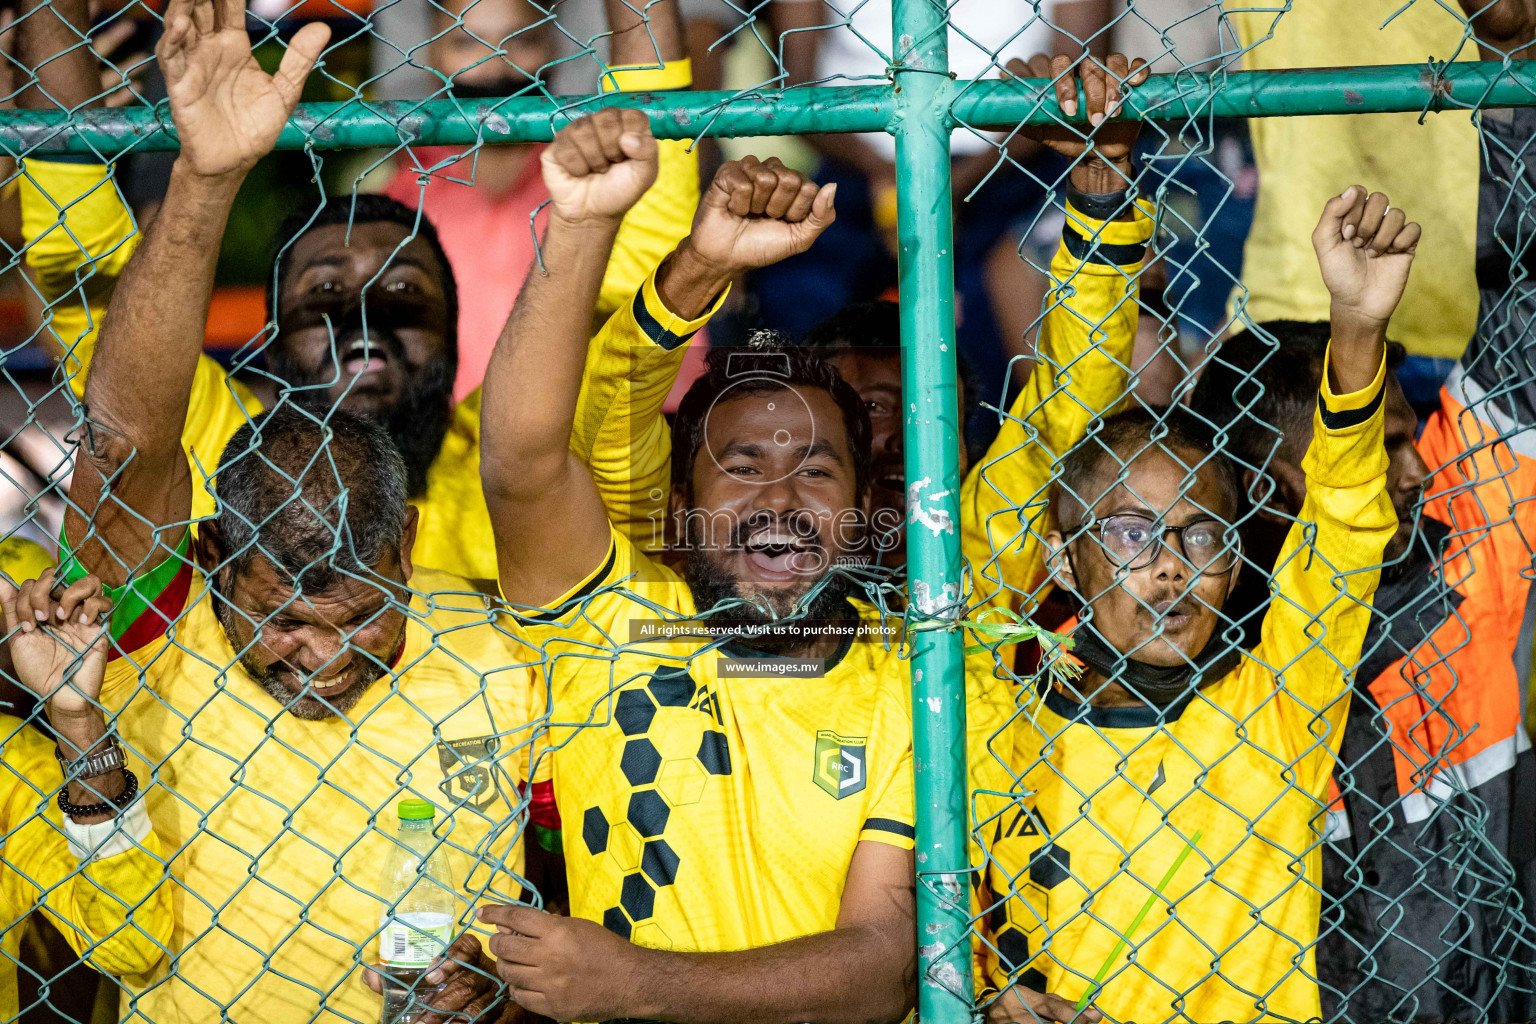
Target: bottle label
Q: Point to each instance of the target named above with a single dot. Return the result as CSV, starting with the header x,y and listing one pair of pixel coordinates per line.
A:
x,y
413,939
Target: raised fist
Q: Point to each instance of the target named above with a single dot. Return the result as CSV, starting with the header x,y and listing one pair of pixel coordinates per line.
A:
x,y
600,166
1365,250
757,212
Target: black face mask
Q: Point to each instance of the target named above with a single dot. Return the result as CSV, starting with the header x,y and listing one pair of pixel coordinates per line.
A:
x,y
1158,685
500,87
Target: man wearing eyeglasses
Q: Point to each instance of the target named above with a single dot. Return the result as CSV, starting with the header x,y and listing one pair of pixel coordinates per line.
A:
x,y
1162,858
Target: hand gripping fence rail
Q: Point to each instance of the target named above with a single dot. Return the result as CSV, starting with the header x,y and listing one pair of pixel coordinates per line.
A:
x,y
1183,628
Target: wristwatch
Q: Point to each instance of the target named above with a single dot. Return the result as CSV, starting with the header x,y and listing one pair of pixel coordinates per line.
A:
x,y
98,762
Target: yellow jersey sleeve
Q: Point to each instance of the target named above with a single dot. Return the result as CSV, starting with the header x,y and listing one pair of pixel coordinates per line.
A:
x,y
619,431
114,910
631,460
1325,577
218,406
1083,361
597,617
79,235
892,814
661,218
23,559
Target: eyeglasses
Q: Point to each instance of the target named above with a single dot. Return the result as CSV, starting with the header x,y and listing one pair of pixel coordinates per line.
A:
x,y
1135,542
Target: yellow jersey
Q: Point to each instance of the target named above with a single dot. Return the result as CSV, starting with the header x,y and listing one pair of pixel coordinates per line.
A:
x,y
80,234
1088,329
23,559
1429,168
1086,339
704,811
100,885
1089,326
1109,796
278,827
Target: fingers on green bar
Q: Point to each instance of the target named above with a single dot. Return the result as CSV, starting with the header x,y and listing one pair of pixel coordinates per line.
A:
x,y
1146,908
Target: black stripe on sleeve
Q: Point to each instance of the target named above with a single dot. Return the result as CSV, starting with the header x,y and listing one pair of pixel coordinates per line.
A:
x,y
575,599
1090,251
652,327
890,825
1349,417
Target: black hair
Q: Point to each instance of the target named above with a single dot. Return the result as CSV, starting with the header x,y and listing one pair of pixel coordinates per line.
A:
x,y
317,497
1260,388
362,208
863,325
876,327
1124,437
769,363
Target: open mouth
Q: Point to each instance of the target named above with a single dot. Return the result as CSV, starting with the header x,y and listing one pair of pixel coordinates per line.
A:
x,y
1172,614
323,689
778,554
363,356
334,690
892,482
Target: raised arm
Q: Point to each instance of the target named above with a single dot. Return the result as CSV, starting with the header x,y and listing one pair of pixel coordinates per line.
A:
x,y
100,878
228,113
551,530
647,53
78,231
54,46
1086,336
861,972
755,213
1331,561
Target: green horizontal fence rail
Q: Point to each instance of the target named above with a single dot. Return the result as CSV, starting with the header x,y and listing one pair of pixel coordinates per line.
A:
x,y
981,104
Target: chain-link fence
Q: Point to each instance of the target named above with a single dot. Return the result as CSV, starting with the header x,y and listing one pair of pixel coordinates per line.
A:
x,y
1059,593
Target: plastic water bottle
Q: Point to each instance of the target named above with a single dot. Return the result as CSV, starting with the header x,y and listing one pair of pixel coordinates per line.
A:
x,y
418,925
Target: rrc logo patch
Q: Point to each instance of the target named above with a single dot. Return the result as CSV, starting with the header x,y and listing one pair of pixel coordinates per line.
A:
x,y
839,763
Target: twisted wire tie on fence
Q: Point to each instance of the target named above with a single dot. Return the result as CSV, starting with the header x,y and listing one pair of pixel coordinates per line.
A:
x,y
1016,630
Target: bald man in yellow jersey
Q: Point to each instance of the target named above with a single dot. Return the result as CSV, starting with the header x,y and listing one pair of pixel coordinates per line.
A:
x,y
355,257
75,840
289,674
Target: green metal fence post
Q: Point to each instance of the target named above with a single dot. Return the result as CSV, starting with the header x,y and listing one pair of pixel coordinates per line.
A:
x,y
927,275
991,103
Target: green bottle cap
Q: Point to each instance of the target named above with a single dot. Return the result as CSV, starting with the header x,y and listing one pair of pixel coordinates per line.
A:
x,y
416,810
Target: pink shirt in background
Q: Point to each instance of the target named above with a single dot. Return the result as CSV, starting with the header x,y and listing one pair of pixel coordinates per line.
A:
x,y
488,241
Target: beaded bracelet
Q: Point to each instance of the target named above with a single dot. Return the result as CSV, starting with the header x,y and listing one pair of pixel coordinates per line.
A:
x,y
110,806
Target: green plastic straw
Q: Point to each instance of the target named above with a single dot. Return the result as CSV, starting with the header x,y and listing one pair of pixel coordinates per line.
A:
x,y
1114,954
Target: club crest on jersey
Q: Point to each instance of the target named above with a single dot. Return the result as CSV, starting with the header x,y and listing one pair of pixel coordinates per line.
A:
x,y
466,765
840,768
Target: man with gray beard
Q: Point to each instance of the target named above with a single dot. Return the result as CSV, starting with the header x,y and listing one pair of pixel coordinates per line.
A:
x,y
286,674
